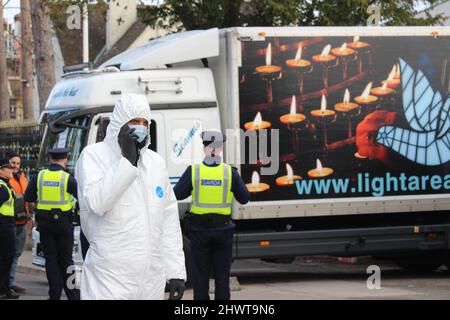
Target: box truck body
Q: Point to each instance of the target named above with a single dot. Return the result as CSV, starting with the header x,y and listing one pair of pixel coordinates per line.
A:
x,y
357,121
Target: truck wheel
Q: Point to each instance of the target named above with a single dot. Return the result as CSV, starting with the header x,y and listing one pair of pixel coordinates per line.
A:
x,y
187,261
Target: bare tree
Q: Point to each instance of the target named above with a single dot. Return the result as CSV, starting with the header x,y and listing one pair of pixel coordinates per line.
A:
x,y
4,95
27,60
43,50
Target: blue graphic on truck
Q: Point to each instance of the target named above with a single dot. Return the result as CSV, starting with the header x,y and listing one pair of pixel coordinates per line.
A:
x,y
427,141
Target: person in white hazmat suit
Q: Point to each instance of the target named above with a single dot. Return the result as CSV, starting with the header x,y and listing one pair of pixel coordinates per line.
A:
x,y
129,212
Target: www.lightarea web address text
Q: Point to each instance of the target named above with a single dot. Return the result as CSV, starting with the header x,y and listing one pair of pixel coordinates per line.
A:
x,y
376,186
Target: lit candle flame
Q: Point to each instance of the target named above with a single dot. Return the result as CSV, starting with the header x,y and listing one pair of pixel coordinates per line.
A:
x,y
392,73
355,38
323,105
384,87
269,55
290,172
319,167
293,105
298,55
346,96
343,47
326,50
255,179
257,122
366,91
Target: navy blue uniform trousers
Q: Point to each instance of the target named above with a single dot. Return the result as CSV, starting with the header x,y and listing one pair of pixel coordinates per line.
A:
x,y
7,253
211,249
57,244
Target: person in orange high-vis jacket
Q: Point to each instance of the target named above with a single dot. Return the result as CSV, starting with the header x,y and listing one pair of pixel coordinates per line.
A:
x,y
19,184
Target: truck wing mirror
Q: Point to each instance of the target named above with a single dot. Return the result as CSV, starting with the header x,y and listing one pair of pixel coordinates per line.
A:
x,y
60,125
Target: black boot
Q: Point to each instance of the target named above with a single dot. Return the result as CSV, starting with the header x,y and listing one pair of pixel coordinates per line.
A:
x,y
11,294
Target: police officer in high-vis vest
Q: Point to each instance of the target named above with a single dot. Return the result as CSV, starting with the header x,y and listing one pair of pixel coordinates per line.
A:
x,y
212,185
51,190
7,231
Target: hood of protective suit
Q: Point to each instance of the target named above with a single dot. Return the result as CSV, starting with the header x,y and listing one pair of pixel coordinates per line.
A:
x,y
129,215
129,106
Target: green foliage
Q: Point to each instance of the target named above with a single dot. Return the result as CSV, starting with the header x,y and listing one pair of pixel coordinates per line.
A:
x,y
70,40
57,8
202,14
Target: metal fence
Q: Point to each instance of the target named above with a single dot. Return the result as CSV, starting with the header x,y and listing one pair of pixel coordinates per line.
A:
x,y
25,141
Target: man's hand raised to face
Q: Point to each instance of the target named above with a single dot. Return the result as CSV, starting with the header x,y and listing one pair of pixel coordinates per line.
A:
x,y
128,144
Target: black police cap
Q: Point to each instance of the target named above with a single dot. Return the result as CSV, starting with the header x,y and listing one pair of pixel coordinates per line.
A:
x,y
5,164
211,136
58,153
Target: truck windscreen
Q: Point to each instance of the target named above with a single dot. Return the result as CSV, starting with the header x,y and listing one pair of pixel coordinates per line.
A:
x,y
71,135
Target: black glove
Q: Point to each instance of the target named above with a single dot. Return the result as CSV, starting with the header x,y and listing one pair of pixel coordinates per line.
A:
x,y
142,144
176,287
128,144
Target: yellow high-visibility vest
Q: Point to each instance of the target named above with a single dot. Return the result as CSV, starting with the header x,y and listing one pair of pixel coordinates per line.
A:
x,y
211,189
52,191
7,208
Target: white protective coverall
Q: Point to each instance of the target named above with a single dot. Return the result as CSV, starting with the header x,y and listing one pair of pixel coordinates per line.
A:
x,y
129,215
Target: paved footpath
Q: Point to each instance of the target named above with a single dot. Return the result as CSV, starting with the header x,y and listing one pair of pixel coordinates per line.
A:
x,y
305,278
